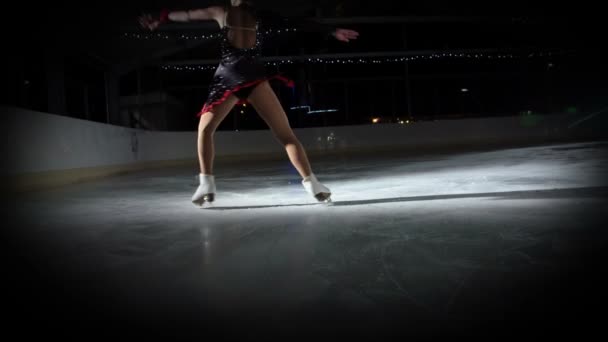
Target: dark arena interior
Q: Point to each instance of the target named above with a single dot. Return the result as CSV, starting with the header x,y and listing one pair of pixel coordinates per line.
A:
x,y
459,153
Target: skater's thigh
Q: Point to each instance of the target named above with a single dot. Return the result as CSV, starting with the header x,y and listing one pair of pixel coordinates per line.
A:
x,y
211,120
266,103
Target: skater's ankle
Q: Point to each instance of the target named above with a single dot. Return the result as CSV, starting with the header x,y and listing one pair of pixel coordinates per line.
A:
x,y
309,177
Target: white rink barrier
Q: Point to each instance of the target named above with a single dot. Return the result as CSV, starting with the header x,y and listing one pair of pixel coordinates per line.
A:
x,y
45,149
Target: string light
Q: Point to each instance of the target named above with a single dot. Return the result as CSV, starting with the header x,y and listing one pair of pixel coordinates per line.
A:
x,y
372,60
167,36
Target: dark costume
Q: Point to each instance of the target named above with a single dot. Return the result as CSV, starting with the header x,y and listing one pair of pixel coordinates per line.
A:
x,y
240,70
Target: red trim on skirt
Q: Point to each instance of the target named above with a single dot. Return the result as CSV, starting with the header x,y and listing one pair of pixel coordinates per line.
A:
x,y
227,93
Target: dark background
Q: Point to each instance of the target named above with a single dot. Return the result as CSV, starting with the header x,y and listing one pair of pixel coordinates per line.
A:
x,y
84,60
56,52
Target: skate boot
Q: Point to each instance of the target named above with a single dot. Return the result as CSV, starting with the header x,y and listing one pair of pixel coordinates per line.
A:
x,y
316,189
205,194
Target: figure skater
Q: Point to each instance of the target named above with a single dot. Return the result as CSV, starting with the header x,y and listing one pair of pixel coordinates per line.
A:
x,y
241,77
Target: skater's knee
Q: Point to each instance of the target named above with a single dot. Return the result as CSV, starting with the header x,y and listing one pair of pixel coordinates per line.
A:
x,y
206,129
287,139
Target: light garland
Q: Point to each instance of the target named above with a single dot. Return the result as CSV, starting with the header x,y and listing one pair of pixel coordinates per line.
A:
x,y
372,60
167,36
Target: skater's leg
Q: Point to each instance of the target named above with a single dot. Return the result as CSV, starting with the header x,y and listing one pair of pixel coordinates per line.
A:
x,y
208,123
269,108
266,103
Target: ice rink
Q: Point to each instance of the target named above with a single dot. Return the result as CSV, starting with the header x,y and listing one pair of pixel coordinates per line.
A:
x,y
433,244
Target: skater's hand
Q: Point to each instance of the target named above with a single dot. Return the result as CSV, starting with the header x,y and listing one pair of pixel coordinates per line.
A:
x,y
345,35
147,22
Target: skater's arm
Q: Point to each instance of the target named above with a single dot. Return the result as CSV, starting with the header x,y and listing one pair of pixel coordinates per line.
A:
x,y
210,13
308,25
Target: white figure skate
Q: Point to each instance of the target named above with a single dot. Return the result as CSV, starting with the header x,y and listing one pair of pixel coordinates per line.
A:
x,y
316,189
205,194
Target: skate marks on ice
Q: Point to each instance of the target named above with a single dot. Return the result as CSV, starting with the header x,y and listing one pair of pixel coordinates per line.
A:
x,y
416,265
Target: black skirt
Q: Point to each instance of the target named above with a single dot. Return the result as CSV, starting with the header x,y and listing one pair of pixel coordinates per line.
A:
x,y
238,76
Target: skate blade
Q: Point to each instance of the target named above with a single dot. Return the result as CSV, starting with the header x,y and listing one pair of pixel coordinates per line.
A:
x,y
205,202
323,197
207,205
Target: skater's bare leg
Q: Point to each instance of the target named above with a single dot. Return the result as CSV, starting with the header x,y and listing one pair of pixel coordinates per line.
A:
x,y
266,103
208,123
269,108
